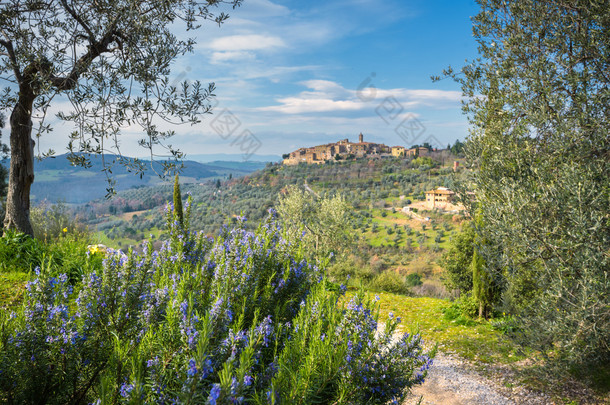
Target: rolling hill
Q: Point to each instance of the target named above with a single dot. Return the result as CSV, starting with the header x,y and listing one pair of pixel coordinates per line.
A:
x,y
58,180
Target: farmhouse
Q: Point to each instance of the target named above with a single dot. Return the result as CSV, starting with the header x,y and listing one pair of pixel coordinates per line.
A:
x,y
439,198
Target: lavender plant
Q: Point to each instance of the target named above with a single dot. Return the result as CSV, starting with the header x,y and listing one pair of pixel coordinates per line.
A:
x,y
242,318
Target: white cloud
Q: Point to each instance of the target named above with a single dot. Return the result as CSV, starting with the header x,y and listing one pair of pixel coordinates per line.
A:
x,y
329,96
232,56
262,9
295,105
250,42
327,87
435,95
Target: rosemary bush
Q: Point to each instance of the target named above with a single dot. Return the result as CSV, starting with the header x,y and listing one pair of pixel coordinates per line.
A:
x,y
239,319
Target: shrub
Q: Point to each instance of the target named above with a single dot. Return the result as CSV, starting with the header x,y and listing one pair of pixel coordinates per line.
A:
x,y
413,280
68,254
53,222
243,318
19,251
462,310
391,282
365,273
457,261
507,324
343,270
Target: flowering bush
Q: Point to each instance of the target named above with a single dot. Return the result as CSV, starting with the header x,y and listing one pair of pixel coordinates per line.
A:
x,y
242,318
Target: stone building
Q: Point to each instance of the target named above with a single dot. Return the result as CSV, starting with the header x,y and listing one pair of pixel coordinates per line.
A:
x,y
322,153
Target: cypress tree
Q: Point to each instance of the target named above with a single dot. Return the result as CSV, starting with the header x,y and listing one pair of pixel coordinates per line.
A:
x,y
480,283
178,214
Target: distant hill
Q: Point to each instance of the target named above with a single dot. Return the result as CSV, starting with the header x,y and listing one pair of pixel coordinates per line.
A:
x,y
57,180
235,157
247,167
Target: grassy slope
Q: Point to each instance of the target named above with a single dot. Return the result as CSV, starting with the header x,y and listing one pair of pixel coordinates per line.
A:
x,y
477,342
12,288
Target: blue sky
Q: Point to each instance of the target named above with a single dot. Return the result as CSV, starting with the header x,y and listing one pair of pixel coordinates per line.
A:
x,y
288,74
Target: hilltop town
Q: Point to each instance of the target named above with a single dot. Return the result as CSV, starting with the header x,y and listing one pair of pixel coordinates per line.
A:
x,y
344,149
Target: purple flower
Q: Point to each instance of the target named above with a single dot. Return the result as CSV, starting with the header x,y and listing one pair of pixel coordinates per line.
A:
x,y
192,368
153,362
247,380
214,394
125,390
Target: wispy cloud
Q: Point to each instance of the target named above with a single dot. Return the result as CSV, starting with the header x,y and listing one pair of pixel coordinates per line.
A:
x,y
249,42
232,56
329,96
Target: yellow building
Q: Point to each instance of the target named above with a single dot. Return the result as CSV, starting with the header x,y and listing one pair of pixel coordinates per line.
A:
x,y
439,197
398,151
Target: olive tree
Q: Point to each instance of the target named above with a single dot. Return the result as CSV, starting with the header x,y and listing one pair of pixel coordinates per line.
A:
x,y
538,99
322,223
111,60
457,260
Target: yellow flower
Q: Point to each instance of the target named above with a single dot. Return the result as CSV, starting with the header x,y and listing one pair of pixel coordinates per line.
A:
x,y
65,230
93,249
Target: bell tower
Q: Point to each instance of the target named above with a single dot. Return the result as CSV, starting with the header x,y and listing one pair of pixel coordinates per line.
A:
x,y
360,138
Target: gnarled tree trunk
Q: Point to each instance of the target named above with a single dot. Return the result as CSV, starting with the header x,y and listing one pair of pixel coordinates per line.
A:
x,y
21,174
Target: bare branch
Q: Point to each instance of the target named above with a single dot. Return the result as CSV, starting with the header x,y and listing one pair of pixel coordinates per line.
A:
x,y
81,65
79,20
8,45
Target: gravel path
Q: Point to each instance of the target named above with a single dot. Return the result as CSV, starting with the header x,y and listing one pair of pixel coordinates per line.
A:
x,y
452,381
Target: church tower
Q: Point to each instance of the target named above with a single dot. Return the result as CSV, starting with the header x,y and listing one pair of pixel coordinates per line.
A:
x,y
360,138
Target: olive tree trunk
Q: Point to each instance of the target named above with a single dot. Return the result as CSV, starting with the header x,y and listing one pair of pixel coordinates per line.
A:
x,y
21,174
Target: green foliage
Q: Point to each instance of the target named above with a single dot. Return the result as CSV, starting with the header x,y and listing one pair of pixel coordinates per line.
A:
x,y
463,310
424,161
19,252
506,324
321,222
539,105
482,289
457,148
61,245
413,280
55,221
68,254
389,281
342,270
